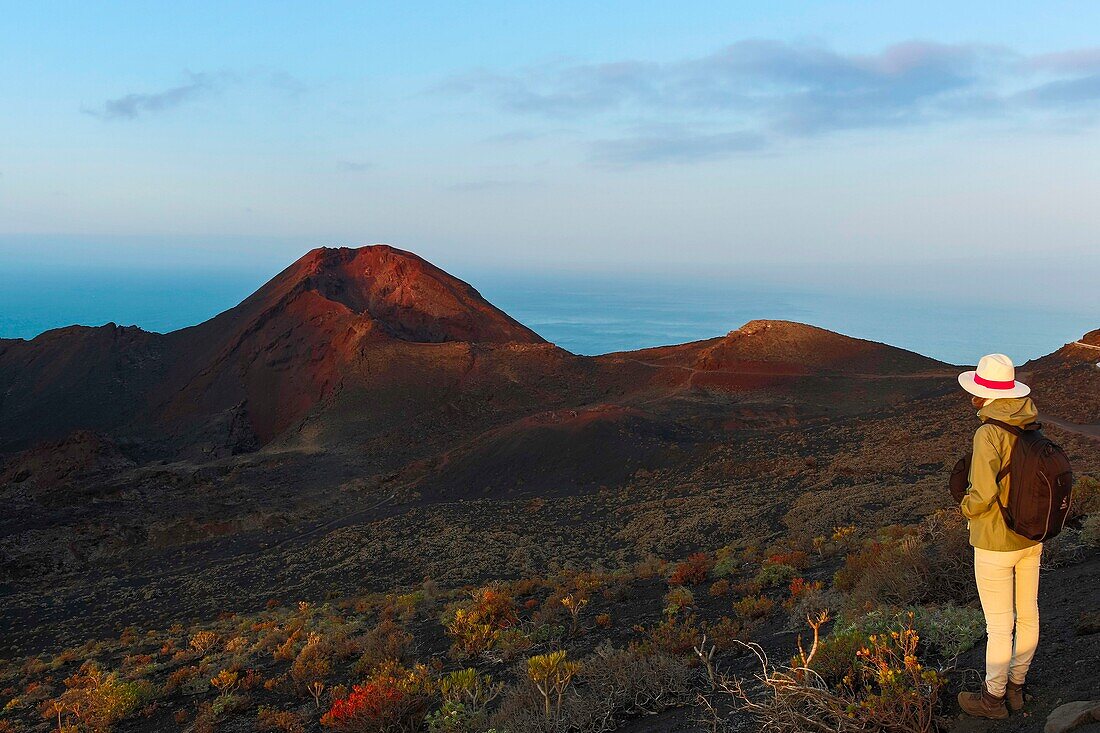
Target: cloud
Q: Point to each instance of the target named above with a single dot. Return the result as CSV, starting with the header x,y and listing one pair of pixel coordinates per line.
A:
x,y
1065,93
138,104
492,184
130,106
1081,60
756,93
676,147
519,136
805,88
354,166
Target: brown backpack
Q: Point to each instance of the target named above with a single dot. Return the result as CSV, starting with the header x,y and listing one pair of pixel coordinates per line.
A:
x,y
1041,489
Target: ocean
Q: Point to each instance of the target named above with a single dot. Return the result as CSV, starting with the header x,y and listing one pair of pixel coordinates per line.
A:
x,y
586,314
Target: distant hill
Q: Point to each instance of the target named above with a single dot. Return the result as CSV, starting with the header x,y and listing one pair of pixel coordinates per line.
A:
x,y
788,347
1067,381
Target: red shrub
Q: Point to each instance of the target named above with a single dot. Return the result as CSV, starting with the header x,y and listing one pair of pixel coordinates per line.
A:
x,y
800,587
693,570
389,702
369,704
794,558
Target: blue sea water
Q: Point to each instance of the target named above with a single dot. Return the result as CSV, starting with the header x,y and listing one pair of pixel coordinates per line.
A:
x,y
586,314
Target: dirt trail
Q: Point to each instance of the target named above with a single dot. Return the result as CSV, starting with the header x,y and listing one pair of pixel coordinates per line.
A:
x,y
777,373
1089,431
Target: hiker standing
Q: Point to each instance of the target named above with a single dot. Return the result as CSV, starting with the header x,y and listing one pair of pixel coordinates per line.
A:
x,y
1012,506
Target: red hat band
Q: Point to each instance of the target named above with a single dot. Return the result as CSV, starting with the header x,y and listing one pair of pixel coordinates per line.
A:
x,y
992,384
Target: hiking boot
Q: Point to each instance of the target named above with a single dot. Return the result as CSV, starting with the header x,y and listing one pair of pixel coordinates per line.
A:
x,y
1014,696
983,705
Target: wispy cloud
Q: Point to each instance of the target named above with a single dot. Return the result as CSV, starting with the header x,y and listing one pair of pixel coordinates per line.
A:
x,y
354,166
762,91
1080,60
196,85
520,136
490,184
753,76
674,147
130,106
1069,94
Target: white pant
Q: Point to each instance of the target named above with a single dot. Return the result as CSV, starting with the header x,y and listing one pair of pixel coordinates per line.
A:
x,y
1008,584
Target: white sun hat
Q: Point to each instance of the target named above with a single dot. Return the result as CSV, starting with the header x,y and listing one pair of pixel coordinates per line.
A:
x,y
995,378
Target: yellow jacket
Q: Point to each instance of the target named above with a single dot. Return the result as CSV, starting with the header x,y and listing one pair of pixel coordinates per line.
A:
x,y
992,448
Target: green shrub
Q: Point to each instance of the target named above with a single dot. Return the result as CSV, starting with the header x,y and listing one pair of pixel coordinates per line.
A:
x,y
949,630
887,688
465,694
728,563
456,717
547,633
946,631
1090,530
613,685
836,655
225,704
774,575
678,599
1086,497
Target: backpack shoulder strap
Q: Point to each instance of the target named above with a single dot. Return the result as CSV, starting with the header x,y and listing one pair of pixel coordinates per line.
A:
x,y
1008,464
1014,429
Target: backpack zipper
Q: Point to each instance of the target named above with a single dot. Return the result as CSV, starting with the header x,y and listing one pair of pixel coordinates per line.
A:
x,y
1050,506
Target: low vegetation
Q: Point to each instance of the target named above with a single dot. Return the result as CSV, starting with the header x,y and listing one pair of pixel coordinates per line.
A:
x,y
882,619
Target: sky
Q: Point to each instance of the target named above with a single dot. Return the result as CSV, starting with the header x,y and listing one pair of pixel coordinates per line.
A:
x,y
918,146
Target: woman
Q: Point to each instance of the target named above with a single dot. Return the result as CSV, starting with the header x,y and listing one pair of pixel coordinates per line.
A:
x,y
1006,565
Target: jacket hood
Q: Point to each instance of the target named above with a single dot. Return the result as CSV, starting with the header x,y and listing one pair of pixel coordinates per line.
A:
x,y
1012,410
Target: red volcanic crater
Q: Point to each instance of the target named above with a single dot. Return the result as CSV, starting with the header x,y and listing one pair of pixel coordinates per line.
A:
x,y
290,344
238,380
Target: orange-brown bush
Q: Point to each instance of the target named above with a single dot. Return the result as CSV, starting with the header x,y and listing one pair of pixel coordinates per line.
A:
x,y
283,721
676,635
753,607
385,642
203,641
678,599
693,570
475,626
180,676
288,649
313,663
930,562
725,633
794,558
